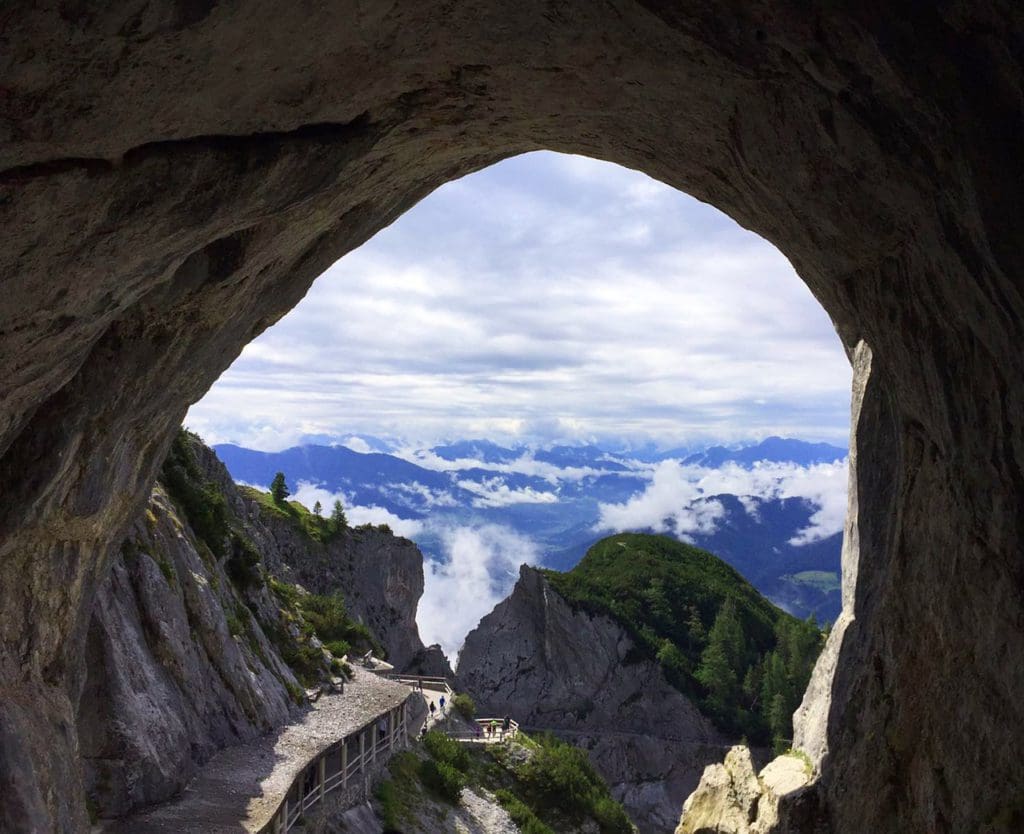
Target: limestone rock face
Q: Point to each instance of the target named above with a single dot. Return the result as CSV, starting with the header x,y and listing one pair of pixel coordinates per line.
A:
x,y
379,574
167,682
178,664
549,666
731,799
173,176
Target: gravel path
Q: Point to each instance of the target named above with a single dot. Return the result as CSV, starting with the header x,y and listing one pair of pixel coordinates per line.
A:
x,y
238,790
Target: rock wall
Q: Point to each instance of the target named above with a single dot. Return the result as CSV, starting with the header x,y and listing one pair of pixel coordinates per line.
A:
x,y
549,666
173,176
168,683
178,664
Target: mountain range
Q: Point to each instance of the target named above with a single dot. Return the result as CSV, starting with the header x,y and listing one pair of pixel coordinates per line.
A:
x,y
748,498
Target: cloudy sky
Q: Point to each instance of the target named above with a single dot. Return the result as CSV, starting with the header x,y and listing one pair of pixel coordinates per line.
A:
x,y
548,297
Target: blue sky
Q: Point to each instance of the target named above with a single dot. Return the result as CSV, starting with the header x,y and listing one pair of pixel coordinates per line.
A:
x,y
546,298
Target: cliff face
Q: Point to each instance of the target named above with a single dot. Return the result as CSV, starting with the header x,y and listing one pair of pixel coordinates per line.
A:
x,y
381,575
178,658
549,666
177,666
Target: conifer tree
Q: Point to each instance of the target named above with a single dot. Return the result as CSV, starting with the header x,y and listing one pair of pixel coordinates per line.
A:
x,y
279,489
317,509
338,520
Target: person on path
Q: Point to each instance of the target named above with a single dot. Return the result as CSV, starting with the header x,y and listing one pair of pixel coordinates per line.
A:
x,y
432,708
505,724
442,704
494,727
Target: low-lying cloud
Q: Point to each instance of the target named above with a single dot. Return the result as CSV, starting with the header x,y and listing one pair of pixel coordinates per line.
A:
x,y
493,492
480,567
679,498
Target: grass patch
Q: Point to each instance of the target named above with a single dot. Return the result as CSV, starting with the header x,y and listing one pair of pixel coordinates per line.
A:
x,y
314,527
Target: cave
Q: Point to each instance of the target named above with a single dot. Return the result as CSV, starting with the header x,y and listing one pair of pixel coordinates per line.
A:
x,y
173,177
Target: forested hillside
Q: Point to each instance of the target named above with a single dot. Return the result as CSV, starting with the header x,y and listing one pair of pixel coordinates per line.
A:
x,y
744,662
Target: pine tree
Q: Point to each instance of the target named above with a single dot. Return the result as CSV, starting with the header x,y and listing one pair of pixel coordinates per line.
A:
x,y
279,489
317,509
338,520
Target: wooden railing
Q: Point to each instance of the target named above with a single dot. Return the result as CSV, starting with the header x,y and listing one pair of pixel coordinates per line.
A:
x,y
422,682
485,732
340,764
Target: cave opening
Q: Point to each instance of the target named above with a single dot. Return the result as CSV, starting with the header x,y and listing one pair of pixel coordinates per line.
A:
x,y
543,310
220,166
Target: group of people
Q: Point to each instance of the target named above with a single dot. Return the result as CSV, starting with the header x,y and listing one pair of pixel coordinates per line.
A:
x,y
496,729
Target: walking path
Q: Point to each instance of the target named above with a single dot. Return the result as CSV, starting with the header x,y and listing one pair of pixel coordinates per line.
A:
x,y
241,788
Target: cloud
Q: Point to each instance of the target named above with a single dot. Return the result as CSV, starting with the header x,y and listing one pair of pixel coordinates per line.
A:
x,y
677,499
480,567
545,298
493,492
308,494
671,503
525,464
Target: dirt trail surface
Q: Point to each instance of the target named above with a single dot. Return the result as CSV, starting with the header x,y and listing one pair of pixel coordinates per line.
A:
x,y
239,789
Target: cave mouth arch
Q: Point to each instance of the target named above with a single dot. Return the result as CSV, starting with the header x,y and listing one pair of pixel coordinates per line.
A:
x,y
221,166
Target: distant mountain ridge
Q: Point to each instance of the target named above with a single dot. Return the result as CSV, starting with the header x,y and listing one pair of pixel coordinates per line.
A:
x,y
554,496
770,450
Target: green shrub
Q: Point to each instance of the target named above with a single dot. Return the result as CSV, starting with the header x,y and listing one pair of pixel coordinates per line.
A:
x,y
610,816
339,648
444,780
201,502
559,776
446,750
521,814
464,705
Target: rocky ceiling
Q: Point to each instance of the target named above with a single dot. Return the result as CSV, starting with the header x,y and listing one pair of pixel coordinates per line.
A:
x,y
175,173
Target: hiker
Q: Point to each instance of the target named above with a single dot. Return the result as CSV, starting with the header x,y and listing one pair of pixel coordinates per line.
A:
x,y
494,727
382,728
442,705
505,724
432,708
487,730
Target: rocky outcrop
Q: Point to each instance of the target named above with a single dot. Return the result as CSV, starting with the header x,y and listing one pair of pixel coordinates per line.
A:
x,y
178,661
379,574
173,176
554,667
177,666
732,799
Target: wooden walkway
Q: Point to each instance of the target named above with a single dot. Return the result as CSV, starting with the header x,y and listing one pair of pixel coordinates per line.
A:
x,y
264,786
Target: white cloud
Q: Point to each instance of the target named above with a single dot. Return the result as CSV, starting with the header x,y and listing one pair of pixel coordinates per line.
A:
x,y
677,497
671,503
585,301
480,567
493,492
357,444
